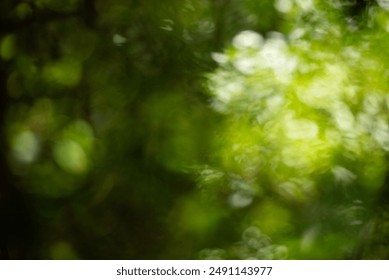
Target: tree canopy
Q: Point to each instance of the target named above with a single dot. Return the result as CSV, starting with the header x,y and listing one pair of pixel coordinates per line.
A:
x,y
212,129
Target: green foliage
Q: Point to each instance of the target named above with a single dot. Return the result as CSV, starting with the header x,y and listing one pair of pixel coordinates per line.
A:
x,y
195,129
307,124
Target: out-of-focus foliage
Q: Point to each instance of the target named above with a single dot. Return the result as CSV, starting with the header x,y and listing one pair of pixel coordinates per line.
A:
x,y
115,149
104,114
307,126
